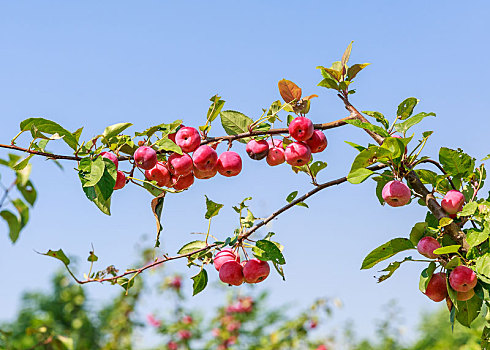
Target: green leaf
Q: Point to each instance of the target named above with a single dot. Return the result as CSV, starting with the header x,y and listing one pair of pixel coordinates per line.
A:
x,y
454,262
445,221
370,156
417,232
96,171
316,167
355,69
386,251
395,146
447,249
407,124
486,158
50,127
427,176
191,247
356,146
456,162
368,126
425,276
291,196
391,268
58,254
242,205
468,209
380,118
13,223
22,164
153,189
23,210
157,207
346,55
28,192
381,181
215,108
92,257
405,108
329,83
468,310
483,265
23,175
359,175
115,129
200,282
235,123
212,208
125,283
476,237
268,251
168,145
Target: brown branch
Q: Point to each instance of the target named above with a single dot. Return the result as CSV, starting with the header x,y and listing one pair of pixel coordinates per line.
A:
x,y
324,126
452,230
431,161
240,238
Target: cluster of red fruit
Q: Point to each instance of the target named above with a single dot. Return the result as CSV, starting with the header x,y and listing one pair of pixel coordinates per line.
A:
x,y
462,279
180,169
234,272
298,153
230,324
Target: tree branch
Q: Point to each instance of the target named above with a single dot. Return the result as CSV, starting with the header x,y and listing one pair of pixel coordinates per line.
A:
x,y
240,238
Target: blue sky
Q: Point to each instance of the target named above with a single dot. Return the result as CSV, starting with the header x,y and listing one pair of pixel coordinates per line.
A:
x,y
94,64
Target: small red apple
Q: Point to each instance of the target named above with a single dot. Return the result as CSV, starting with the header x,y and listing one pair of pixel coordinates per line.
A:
x,y
452,202
160,174
301,128
231,272
317,142
205,174
205,158
427,245
436,288
256,271
297,154
257,149
275,156
180,164
462,278
145,157
229,164
188,139
120,180
223,256
463,296
111,156
396,193
182,182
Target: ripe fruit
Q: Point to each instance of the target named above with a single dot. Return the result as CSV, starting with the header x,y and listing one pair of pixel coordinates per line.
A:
x,y
160,174
205,174
188,139
317,142
275,156
223,256
111,156
301,128
205,158
184,334
436,288
229,164
396,193
172,136
180,164
462,278
231,272
145,157
182,182
463,296
452,202
257,149
120,180
297,154
427,245
277,143
256,271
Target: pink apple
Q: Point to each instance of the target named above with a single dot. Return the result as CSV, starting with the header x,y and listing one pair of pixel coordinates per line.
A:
x,y
145,157
120,180
205,174
188,139
182,182
205,158
180,164
436,288
256,271
172,136
111,156
427,245
231,272
317,142
223,256
159,173
396,193
257,149
229,164
301,128
462,278
275,156
171,345
452,202
184,334
297,154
